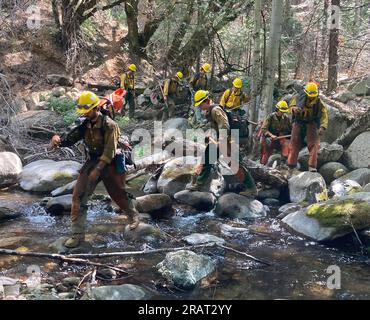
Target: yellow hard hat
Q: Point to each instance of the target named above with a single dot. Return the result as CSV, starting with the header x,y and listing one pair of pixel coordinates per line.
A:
x,y
282,106
87,101
132,67
238,83
180,75
200,96
311,89
206,67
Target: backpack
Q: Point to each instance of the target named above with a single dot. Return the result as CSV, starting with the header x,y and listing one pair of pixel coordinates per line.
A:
x,y
238,120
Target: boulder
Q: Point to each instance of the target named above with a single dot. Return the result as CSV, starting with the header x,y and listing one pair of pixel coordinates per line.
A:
x,y
63,190
59,205
143,230
176,175
32,100
358,153
121,292
270,202
366,188
287,209
233,205
328,170
327,153
333,218
43,105
339,188
154,204
61,79
9,212
185,268
58,246
58,91
39,118
361,87
361,176
305,186
345,96
204,201
47,175
20,105
201,238
268,193
10,168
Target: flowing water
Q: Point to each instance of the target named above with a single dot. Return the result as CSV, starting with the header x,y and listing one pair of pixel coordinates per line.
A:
x,y
297,271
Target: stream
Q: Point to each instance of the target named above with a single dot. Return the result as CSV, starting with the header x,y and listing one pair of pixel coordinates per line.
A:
x,y
298,266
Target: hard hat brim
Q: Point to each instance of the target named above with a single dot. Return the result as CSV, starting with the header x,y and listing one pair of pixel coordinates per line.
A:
x,y
312,95
84,111
200,102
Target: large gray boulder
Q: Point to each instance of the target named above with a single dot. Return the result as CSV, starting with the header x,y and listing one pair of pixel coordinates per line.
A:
x,y
154,204
338,123
185,268
361,87
39,118
333,218
361,176
176,175
358,153
10,168
121,292
327,153
233,205
199,200
47,175
305,186
59,205
345,96
328,170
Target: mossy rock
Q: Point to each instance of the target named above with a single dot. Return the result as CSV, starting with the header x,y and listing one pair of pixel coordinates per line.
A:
x,y
342,214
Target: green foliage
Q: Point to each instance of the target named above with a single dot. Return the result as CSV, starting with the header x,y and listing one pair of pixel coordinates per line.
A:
x,y
64,106
122,121
119,14
89,28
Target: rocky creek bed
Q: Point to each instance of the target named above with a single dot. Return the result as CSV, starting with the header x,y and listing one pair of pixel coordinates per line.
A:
x,y
298,267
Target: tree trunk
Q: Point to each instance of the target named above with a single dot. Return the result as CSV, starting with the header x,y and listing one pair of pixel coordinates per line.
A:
x,y
256,64
333,47
324,36
131,9
272,58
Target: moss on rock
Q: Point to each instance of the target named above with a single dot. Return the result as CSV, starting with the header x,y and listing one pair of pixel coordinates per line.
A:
x,y
340,214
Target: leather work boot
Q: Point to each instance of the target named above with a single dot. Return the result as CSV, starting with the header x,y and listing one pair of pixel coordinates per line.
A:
x,y
74,241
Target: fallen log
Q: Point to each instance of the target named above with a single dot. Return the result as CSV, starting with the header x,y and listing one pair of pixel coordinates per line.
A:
x,y
81,258
360,125
265,174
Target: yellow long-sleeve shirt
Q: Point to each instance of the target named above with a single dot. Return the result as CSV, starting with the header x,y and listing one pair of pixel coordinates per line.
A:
x,y
128,81
314,110
232,98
